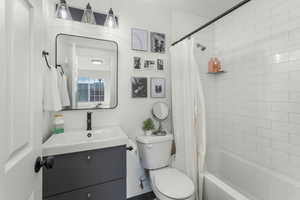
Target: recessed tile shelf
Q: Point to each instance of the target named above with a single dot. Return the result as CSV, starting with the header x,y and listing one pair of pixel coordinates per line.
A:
x,y
220,72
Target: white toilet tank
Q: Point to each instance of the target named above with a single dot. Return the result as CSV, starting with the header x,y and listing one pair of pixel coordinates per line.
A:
x,y
154,151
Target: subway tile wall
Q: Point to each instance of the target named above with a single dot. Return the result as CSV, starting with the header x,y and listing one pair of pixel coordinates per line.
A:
x,y
254,108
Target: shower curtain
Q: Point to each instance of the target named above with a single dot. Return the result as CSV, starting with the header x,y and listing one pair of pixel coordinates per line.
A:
x,y
188,110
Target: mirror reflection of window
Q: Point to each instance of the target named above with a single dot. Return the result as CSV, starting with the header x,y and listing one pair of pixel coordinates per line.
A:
x,y
90,90
91,66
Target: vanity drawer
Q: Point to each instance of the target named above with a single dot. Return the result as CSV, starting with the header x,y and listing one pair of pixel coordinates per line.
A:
x,y
115,190
78,170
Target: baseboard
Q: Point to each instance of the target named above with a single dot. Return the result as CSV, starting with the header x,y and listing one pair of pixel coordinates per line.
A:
x,y
146,196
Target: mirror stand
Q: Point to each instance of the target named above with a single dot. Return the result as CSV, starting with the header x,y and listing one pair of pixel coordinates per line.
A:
x,y
159,131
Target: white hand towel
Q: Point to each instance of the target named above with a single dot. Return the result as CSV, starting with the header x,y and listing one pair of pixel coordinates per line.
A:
x,y
63,90
51,99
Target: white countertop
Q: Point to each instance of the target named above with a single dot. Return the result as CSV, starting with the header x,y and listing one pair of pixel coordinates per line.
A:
x,y
77,141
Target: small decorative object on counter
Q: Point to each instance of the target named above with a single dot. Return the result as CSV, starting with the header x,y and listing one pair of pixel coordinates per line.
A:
x,y
58,123
148,126
214,65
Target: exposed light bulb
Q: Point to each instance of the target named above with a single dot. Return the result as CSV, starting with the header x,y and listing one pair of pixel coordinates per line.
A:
x,y
64,14
88,15
110,20
62,11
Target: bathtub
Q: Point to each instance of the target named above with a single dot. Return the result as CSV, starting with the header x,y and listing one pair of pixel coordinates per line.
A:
x,y
244,180
215,189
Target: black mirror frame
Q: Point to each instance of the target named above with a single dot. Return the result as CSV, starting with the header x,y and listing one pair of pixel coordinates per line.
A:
x,y
117,73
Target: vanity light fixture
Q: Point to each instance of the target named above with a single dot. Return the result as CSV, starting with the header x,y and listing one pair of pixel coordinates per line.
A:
x,y
110,20
62,10
88,15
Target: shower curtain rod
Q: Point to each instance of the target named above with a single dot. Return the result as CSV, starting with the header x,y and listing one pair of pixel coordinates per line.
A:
x,y
213,21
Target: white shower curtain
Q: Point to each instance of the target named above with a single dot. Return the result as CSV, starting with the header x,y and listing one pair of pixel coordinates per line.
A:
x,y
188,109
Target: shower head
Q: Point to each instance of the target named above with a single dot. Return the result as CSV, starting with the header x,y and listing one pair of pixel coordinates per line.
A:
x,y
203,48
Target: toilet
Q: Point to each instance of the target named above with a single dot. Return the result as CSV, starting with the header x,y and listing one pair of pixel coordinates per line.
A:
x,y
167,183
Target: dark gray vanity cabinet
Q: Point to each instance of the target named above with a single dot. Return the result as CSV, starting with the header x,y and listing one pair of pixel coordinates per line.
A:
x,y
95,175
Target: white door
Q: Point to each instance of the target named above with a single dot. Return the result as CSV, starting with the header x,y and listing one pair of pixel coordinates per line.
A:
x,y
20,103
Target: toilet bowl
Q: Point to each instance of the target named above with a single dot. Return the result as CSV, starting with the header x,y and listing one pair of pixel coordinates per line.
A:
x,y
167,183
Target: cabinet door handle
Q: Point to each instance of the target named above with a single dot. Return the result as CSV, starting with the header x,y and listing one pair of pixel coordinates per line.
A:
x,y
89,157
130,148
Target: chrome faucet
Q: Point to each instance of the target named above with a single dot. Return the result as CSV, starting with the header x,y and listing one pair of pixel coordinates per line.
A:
x,y
89,121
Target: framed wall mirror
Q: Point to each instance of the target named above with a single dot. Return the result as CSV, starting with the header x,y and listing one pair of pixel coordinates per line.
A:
x,y
91,68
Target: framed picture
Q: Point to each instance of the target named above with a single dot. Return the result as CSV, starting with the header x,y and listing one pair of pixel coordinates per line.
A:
x,y
149,64
160,64
137,62
139,87
139,39
158,87
158,42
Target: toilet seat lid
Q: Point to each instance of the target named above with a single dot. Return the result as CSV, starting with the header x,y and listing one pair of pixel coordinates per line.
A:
x,y
173,183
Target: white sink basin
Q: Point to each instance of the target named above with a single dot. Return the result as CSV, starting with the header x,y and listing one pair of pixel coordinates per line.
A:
x,y
70,142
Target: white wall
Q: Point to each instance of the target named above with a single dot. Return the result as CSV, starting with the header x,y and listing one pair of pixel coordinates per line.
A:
x,y
130,112
184,23
254,121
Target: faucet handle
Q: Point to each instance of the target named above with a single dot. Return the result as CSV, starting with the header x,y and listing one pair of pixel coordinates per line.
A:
x,y
89,115
89,121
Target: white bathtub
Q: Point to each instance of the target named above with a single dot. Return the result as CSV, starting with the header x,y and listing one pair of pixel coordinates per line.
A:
x,y
244,180
215,189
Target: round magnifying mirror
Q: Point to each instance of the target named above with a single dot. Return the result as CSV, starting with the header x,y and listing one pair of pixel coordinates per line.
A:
x,y
160,111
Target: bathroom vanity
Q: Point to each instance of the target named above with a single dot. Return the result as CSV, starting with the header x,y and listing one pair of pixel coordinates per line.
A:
x,y
87,164
96,170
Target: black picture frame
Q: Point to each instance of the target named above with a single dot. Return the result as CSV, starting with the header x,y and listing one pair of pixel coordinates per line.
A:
x,y
139,87
158,42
